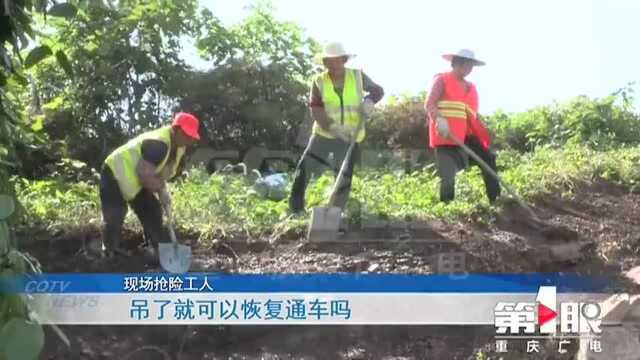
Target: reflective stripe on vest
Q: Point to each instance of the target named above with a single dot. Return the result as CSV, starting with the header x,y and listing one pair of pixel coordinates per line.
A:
x,y
352,95
124,160
453,109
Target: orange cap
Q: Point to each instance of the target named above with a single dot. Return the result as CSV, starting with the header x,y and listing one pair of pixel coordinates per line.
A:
x,y
188,123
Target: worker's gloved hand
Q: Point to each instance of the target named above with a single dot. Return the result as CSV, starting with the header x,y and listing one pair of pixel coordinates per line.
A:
x,y
339,132
368,106
350,131
443,126
148,177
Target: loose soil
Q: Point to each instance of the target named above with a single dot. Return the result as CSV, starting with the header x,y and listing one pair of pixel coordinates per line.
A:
x,y
602,217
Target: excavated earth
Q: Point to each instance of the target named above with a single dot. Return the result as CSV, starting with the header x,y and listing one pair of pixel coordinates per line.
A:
x,y
594,232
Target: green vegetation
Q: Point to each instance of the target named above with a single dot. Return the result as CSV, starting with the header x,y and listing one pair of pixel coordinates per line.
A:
x,y
208,206
21,334
128,76
598,140
602,124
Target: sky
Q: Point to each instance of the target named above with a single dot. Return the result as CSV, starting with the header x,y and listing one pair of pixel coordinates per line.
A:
x,y
536,52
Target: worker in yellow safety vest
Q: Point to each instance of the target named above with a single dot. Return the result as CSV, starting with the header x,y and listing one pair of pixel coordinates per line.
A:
x,y
337,104
134,173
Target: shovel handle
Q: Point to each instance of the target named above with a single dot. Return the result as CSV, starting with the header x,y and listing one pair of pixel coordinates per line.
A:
x,y
340,176
172,234
347,156
168,213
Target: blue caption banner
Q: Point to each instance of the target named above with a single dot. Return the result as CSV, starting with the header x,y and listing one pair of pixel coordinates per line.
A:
x,y
299,283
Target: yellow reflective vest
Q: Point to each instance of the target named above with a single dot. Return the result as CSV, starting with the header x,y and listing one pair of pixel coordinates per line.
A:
x,y
124,159
350,113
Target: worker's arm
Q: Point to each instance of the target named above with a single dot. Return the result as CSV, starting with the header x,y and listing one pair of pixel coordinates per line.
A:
x,y
478,128
316,107
153,152
431,103
375,91
181,166
148,177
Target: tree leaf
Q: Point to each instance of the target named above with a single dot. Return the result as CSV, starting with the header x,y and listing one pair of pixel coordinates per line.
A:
x,y
21,339
38,124
7,206
55,103
36,55
20,79
64,62
64,10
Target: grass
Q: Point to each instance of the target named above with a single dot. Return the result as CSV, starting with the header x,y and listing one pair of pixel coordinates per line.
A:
x,y
211,205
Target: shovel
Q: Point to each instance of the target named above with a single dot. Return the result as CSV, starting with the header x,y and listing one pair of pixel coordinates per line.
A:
x,y
325,221
174,257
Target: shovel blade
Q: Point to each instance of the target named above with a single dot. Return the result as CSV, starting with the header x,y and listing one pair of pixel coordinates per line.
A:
x,y
174,258
325,223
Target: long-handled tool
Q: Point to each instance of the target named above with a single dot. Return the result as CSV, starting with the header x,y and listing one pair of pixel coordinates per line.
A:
x,y
174,257
549,231
325,221
554,232
488,169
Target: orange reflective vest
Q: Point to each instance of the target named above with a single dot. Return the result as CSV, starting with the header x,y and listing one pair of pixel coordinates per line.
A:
x,y
460,109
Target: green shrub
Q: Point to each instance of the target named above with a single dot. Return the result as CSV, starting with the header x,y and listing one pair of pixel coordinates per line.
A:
x,y
601,123
399,124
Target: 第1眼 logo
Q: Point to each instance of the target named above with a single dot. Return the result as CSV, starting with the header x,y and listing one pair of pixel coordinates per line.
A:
x,y
574,318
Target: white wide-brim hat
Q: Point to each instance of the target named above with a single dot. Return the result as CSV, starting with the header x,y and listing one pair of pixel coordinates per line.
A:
x,y
332,50
466,54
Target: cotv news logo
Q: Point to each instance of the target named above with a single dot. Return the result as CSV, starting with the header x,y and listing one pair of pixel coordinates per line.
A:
x,y
571,321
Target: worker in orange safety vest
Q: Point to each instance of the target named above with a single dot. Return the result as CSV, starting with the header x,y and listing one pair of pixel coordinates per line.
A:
x,y
452,111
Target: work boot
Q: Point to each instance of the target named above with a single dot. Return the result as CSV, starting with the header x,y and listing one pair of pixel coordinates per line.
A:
x,y
493,194
112,249
150,255
344,224
296,206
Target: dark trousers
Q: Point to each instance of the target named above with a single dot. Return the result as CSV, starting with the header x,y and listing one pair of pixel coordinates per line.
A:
x,y
451,159
145,205
314,160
